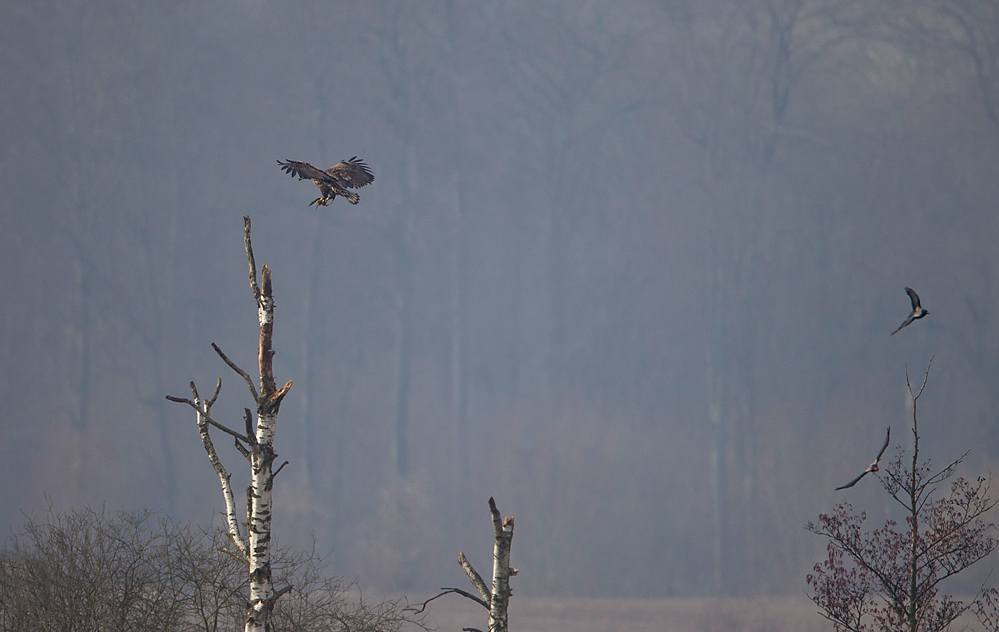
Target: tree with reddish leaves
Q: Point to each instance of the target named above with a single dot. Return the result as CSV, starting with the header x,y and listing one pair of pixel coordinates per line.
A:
x,y
890,578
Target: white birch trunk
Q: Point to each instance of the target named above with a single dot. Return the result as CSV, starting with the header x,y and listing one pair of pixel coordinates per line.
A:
x,y
498,618
497,600
259,529
262,593
255,548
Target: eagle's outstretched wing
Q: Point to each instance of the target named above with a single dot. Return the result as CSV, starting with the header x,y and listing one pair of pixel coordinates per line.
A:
x,y
304,171
907,321
353,173
873,467
853,482
884,446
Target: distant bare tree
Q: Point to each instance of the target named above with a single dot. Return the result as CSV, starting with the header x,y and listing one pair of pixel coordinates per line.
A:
x,y
412,57
567,72
945,34
890,578
974,33
738,63
966,30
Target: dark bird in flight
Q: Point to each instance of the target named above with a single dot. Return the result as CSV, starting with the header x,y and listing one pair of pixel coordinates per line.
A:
x,y
346,174
873,467
917,310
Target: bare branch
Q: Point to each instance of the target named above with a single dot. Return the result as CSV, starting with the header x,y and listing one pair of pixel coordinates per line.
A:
x,y
241,372
242,449
207,417
249,257
475,578
215,395
203,409
946,472
926,376
235,555
277,594
278,471
447,591
226,430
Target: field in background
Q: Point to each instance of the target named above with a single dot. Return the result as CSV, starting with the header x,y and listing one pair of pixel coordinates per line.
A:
x,y
765,614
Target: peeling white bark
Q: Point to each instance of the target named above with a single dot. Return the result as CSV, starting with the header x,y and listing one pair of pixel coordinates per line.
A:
x,y
257,445
259,528
262,594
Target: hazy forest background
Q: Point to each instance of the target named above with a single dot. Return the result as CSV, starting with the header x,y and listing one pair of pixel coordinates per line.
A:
x,y
629,267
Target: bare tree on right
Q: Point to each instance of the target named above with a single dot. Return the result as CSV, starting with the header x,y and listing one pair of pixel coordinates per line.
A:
x,y
890,578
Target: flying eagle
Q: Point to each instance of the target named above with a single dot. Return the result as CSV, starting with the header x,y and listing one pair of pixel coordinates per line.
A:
x,y
335,181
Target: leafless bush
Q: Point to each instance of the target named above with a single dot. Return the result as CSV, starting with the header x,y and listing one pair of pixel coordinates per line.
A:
x,y
86,570
89,570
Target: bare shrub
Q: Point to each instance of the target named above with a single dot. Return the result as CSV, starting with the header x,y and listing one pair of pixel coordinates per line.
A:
x,y
89,570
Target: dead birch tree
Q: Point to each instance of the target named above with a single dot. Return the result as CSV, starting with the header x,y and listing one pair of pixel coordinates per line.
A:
x,y
497,599
257,446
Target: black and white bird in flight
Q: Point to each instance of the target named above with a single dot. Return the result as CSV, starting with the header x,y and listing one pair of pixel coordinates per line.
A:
x,y
917,310
873,467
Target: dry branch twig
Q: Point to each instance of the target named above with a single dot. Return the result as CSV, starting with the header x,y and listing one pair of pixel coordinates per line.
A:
x,y
448,591
475,578
241,372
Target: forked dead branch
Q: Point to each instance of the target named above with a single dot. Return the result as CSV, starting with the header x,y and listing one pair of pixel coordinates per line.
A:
x,y
257,446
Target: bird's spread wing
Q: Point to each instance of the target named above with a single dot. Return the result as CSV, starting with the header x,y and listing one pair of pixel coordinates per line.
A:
x,y
353,173
907,321
885,446
872,466
303,170
913,297
853,482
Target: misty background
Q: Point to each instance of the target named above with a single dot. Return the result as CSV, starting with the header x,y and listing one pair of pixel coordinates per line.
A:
x,y
629,267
